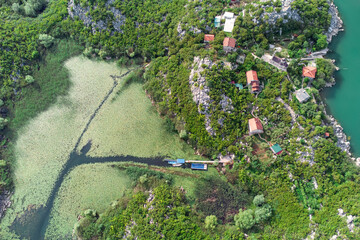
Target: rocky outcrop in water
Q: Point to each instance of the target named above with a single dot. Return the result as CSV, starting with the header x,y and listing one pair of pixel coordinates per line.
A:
x,y
342,141
335,24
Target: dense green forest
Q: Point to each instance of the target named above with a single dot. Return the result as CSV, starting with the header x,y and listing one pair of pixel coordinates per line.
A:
x,y
263,196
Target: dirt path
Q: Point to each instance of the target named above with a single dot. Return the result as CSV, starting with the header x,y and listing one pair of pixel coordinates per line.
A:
x,y
292,112
293,85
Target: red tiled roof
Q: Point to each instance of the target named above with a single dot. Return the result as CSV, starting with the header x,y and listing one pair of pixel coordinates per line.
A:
x,y
251,76
255,124
229,42
309,71
209,37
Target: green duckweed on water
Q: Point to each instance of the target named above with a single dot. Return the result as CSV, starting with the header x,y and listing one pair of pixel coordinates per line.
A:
x,y
130,125
44,144
126,124
87,186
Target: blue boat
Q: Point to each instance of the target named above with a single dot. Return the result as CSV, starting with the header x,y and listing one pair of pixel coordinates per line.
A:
x,y
180,160
199,166
176,163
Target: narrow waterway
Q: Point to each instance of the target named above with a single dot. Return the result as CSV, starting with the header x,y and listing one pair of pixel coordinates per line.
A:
x,y
34,222
343,100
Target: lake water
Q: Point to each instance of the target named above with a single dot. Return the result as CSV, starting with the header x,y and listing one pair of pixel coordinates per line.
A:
x,y
343,99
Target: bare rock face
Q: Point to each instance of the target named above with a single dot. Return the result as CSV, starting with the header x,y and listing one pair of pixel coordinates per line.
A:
x,y
349,219
226,104
285,12
200,90
342,141
335,24
84,15
357,161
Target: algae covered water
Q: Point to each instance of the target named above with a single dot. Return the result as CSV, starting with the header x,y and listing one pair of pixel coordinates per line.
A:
x,y
64,156
343,99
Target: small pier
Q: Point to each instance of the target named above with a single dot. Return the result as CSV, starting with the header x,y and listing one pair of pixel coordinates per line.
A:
x,y
198,164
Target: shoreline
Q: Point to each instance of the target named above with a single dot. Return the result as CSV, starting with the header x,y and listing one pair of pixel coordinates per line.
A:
x,y
336,26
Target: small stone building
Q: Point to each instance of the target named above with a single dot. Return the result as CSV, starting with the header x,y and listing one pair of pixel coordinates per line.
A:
x,y
302,95
229,44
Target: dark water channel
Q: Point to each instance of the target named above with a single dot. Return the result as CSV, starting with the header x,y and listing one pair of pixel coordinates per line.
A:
x,y
34,222
32,225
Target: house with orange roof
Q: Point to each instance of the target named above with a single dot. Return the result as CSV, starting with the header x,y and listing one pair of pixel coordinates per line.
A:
x,y
229,44
309,72
209,38
253,81
255,126
251,76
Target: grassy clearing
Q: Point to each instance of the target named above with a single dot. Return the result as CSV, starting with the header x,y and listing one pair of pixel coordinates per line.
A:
x,y
44,144
189,183
130,125
92,186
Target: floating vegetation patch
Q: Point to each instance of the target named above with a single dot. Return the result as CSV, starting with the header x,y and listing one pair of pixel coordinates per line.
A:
x,y
87,186
130,125
44,145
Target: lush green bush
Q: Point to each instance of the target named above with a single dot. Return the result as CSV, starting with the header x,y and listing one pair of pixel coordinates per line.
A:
x,y
211,222
245,219
148,212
